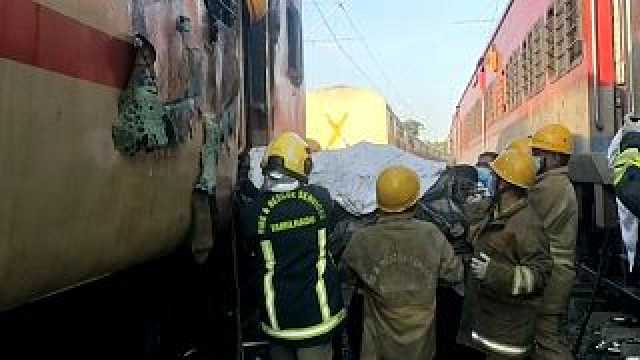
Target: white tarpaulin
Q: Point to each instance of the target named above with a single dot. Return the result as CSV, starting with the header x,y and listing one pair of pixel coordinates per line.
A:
x,y
628,222
350,174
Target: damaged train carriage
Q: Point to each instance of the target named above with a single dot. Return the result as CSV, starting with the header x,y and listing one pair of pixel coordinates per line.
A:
x,y
121,123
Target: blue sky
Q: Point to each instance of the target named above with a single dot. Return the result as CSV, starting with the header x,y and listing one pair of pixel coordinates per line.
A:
x,y
427,49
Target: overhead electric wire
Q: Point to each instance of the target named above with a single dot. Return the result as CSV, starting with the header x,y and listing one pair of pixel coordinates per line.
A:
x,y
329,40
344,52
313,29
362,38
476,21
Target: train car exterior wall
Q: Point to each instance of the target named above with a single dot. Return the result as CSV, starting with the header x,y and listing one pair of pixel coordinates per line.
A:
x,y
541,66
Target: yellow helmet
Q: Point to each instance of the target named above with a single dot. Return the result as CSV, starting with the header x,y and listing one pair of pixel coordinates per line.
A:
x,y
515,167
314,145
554,138
521,144
257,10
397,189
290,153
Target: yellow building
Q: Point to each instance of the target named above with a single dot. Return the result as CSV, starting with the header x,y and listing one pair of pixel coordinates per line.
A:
x,y
341,116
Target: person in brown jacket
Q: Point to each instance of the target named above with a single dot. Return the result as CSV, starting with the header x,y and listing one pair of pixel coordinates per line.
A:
x,y
397,263
554,200
510,267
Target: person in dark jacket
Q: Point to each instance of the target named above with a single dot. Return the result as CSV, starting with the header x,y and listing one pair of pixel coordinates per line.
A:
x,y
289,222
510,268
554,200
627,170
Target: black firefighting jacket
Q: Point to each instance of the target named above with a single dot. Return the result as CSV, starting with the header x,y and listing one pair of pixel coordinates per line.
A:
x,y
298,280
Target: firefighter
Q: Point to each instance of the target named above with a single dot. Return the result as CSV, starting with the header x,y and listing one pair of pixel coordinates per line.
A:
x,y
627,170
509,269
554,200
289,222
397,263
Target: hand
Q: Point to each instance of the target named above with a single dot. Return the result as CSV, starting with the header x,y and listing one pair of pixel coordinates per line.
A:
x,y
479,266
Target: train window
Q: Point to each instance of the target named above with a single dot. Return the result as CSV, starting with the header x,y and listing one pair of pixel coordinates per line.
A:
x,y
562,60
517,79
537,57
525,69
550,48
295,44
512,81
489,113
574,42
501,100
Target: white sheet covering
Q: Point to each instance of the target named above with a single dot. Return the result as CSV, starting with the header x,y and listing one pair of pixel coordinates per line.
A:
x,y
350,174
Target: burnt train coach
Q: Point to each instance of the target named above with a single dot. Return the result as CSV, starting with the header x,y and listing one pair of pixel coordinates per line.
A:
x,y
121,128
573,62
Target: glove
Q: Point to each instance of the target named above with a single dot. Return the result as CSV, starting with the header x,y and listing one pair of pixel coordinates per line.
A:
x,y
479,266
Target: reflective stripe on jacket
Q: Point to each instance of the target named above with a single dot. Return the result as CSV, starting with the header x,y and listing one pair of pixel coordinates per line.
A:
x,y
299,284
627,179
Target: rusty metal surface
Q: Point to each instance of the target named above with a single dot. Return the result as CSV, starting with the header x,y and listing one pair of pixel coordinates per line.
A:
x,y
275,98
73,208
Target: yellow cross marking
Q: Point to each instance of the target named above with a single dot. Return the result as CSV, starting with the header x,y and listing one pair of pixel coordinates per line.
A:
x,y
337,127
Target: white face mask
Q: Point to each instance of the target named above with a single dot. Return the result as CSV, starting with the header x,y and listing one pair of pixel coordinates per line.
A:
x,y
278,182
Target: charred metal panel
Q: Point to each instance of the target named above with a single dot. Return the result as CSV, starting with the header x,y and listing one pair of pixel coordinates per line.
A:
x,y
141,115
75,208
209,157
276,96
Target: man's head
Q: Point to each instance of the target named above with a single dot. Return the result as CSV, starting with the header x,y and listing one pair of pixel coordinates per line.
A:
x,y
485,158
397,189
289,155
515,171
465,182
552,146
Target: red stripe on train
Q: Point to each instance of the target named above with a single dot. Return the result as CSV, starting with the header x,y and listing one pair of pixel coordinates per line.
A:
x,y
36,35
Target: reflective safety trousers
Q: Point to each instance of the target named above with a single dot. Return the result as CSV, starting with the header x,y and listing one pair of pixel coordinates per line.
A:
x,y
499,312
298,280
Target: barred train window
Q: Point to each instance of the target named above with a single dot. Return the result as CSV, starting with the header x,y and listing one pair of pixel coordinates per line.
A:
x,y
549,44
509,87
574,42
517,79
524,69
489,109
562,59
537,57
550,50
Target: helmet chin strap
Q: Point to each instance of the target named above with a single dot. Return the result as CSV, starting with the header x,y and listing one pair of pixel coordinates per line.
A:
x,y
275,181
